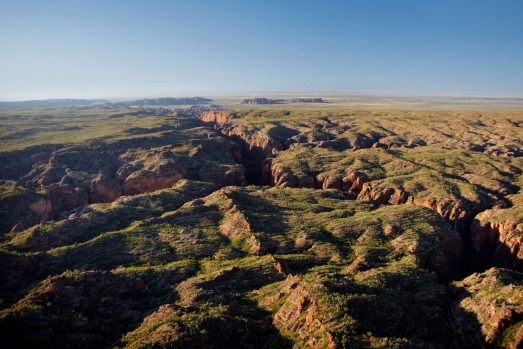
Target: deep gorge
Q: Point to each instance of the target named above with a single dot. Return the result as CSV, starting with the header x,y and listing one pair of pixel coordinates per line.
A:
x,y
298,230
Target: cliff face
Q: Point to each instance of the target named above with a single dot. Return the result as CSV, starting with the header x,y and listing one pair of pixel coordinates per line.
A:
x,y
25,208
497,238
452,210
288,228
255,149
403,177
352,183
489,309
105,188
215,116
143,181
364,188
70,179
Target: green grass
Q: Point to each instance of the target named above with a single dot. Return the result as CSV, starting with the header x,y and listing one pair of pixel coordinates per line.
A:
x,y
180,267
77,125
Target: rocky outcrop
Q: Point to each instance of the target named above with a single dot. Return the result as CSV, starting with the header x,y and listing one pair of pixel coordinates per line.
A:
x,y
104,188
145,181
64,198
223,176
488,310
299,315
155,174
352,183
257,140
384,196
236,226
452,210
497,239
215,116
235,223
362,188
21,208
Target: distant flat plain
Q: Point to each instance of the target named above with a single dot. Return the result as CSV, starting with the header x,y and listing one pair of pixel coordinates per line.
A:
x,y
20,128
376,102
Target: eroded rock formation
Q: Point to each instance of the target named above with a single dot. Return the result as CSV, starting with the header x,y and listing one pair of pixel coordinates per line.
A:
x,y
497,238
161,226
489,309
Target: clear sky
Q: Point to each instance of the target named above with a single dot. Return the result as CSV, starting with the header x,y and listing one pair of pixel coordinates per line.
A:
x,y
139,48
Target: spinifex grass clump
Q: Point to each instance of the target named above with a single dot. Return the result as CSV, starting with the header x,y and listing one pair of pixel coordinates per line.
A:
x,y
354,224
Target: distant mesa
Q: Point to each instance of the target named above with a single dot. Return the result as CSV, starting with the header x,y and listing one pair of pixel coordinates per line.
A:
x,y
46,103
281,101
160,102
262,101
305,100
91,102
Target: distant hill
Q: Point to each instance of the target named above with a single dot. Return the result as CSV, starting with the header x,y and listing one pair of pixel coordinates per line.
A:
x,y
50,103
161,102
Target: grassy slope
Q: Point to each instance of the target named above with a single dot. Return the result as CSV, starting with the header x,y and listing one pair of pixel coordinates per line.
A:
x,y
171,268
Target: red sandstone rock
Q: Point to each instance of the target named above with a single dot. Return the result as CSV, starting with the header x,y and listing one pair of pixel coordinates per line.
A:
x,y
300,315
144,181
496,242
104,188
488,304
215,116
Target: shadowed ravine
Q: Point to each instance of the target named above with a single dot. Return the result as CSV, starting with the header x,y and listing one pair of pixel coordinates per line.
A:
x,y
256,156
267,229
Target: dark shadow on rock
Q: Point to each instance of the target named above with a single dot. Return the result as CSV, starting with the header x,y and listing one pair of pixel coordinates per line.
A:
x,y
252,158
88,309
464,325
19,273
406,305
242,325
263,215
494,253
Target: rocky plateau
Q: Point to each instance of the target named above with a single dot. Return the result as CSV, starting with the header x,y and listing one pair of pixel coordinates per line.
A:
x,y
264,228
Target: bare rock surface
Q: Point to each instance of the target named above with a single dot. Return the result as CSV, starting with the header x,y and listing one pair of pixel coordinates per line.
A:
x,y
497,238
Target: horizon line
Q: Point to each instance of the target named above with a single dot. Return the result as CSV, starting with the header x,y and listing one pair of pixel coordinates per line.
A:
x,y
252,94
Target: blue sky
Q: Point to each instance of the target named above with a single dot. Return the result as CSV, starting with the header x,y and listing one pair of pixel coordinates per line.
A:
x,y
76,49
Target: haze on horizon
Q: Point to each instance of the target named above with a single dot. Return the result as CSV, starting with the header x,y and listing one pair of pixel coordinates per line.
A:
x,y
119,49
